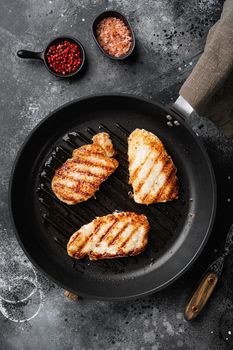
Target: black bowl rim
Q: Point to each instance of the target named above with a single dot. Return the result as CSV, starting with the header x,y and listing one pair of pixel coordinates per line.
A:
x,y
97,19
69,38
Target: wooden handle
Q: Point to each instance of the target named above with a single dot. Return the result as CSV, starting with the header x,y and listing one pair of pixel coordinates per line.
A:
x,y
201,296
70,295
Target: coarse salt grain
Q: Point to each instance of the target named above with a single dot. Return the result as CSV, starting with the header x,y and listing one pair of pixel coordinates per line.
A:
x,y
114,36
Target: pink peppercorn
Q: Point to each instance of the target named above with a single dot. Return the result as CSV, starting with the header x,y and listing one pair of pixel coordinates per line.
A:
x,y
64,57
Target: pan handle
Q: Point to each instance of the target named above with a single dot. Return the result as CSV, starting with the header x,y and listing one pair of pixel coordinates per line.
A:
x,y
30,54
182,108
201,296
70,295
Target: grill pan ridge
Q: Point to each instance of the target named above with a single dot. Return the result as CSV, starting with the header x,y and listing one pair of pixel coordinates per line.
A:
x,y
44,224
61,220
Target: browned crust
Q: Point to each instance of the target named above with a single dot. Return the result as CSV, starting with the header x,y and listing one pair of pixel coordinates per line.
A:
x,y
170,188
103,140
135,174
80,254
163,158
116,238
130,218
93,148
94,172
114,222
120,254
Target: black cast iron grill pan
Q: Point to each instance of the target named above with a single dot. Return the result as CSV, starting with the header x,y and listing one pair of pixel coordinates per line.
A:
x,y
43,224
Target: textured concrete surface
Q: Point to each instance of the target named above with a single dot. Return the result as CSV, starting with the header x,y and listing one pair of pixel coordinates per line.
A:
x,y
170,37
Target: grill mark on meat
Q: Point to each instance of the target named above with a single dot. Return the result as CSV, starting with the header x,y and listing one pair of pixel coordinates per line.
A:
x,y
82,161
85,155
65,195
138,168
75,188
118,234
81,176
106,232
77,182
128,238
84,182
165,166
74,238
62,172
141,183
88,173
80,252
78,191
166,183
154,184
173,193
99,154
173,190
121,245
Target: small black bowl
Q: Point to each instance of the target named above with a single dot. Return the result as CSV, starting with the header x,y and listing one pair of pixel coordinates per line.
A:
x,y
116,14
43,57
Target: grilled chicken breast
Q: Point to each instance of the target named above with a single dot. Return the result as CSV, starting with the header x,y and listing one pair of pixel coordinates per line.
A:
x,y
111,236
103,140
81,176
152,172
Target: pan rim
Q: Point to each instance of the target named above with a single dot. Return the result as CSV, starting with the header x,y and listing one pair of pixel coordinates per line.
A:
x,y
136,295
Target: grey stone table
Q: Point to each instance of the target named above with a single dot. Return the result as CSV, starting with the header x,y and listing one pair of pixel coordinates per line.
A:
x,y
170,38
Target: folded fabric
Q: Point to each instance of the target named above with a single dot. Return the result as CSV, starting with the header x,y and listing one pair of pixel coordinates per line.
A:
x,y
214,66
